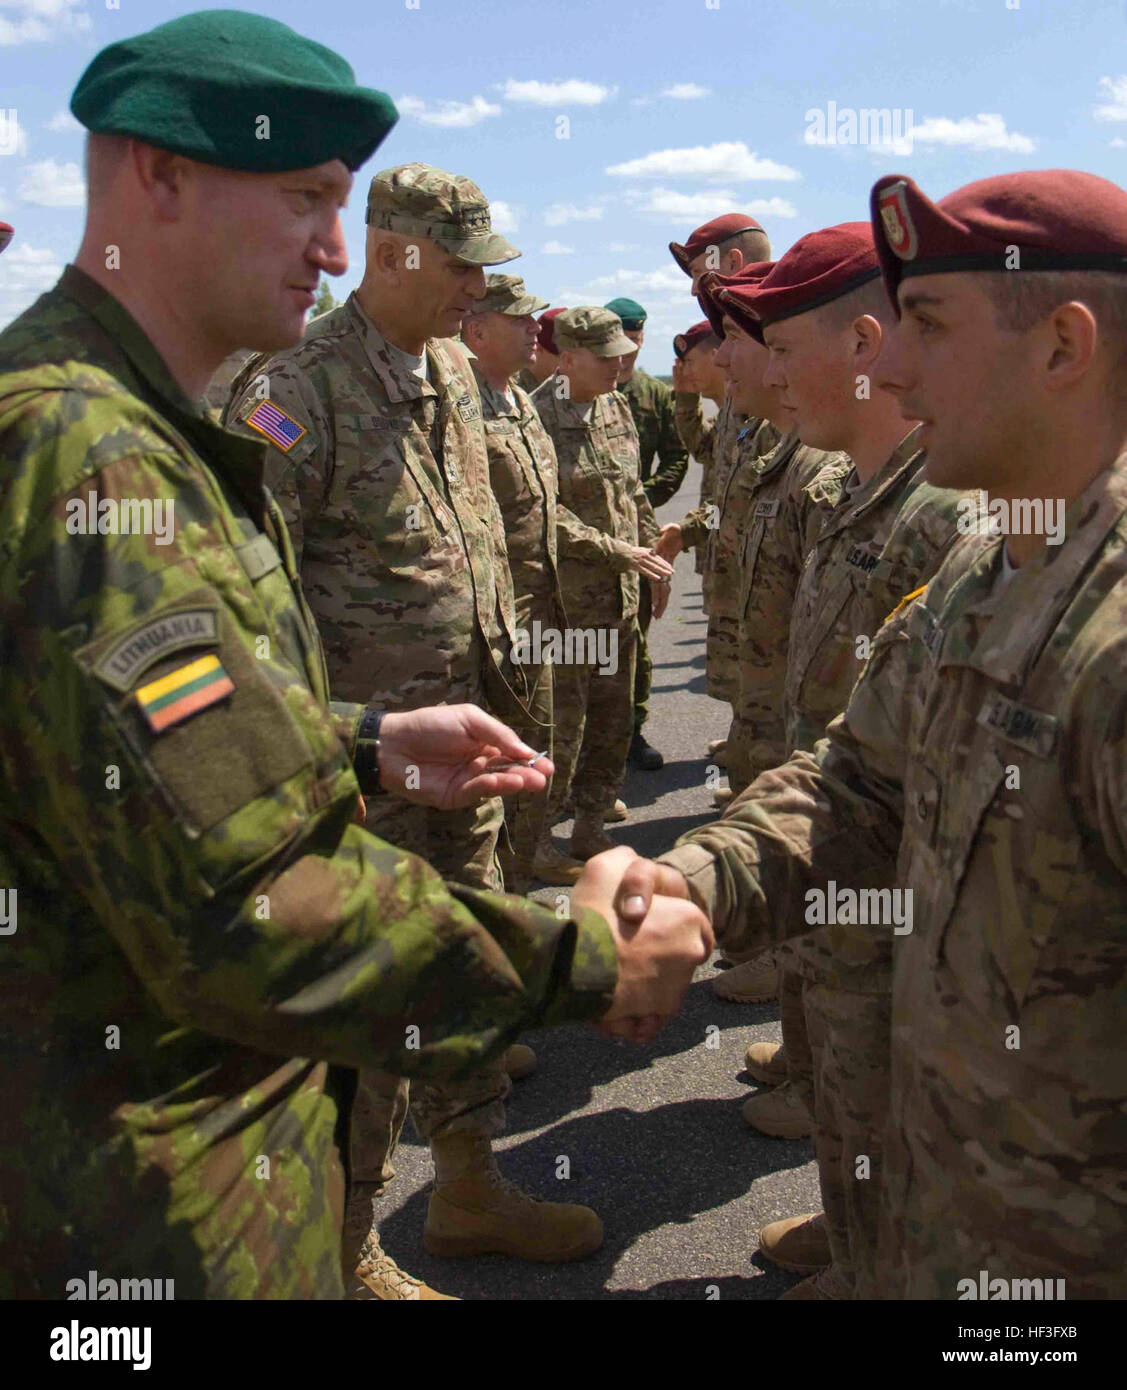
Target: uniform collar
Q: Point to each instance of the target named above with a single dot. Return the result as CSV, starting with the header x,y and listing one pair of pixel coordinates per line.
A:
x,y
393,375
494,402
905,459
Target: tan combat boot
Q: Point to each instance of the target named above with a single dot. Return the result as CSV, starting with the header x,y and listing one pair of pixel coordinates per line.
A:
x,y
722,796
589,837
717,750
800,1243
473,1210
753,982
781,1113
617,812
553,866
378,1276
767,1062
828,1284
518,1060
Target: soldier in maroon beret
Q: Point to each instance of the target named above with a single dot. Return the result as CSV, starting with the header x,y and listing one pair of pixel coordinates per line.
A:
x,y
726,244
545,359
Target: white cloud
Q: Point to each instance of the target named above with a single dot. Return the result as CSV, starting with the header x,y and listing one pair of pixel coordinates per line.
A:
x,y
665,202
13,132
36,21
27,272
556,248
726,160
1116,108
451,115
669,280
64,121
1118,143
52,185
686,91
573,92
503,217
616,247
559,213
981,132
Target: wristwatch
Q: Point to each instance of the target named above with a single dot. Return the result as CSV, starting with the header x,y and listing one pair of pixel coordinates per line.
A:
x,y
367,760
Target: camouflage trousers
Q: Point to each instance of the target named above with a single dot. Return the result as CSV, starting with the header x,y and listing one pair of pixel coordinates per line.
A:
x,y
643,666
526,817
850,1044
594,723
462,846
757,734
722,671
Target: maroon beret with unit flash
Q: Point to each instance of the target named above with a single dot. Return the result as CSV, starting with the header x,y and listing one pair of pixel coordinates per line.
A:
x,y
684,343
1040,219
818,268
711,295
546,338
720,229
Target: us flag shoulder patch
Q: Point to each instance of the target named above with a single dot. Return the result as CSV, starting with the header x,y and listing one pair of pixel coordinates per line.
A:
x,y
182,692
278,427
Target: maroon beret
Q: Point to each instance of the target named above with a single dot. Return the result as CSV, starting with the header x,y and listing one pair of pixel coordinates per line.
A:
x,y
546,338
6,234
684,343
818,268
1056,219
712,234
711,289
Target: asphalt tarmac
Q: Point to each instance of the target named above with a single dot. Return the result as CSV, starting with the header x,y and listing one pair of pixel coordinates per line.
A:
x,y
652,1136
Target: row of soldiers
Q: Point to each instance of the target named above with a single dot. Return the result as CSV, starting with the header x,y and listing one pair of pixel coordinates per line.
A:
x,y
927,820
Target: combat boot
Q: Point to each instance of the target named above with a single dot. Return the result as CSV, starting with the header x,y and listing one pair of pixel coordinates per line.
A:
x,y
827,1285
552,865
717,749
753,982
518,1060
473,1210
588,837
378,1276
767,1062
644,755
800,1243
617,812
722,795
781,1113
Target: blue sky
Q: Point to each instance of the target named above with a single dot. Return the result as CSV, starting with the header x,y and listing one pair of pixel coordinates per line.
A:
x,y
676,111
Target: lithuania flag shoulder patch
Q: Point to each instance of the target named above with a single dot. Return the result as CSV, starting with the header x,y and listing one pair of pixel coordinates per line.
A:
x,y
182,692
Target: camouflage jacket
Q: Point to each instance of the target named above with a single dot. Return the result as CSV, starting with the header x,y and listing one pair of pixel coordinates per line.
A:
x,y
383,480
733,488
597,458
202,927
651,405
783,516
978,766
878,543
716,442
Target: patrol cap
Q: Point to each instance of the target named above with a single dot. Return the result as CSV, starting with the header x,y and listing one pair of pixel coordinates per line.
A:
x,y
6,234
506,294
546,338
591,327
684,343
631,313
420,200
201,84
720,229
1054,219
820,267
709,289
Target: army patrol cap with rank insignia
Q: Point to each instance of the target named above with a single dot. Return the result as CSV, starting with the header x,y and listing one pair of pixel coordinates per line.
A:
x,y
506,294
1039,219
420,200
202,86
593,328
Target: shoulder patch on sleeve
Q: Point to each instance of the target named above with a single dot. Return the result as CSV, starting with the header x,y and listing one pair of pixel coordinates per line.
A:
x,y
271,421
183,692
144,646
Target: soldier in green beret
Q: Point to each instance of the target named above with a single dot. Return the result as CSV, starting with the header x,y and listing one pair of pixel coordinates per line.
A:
x,y
651,405
202,944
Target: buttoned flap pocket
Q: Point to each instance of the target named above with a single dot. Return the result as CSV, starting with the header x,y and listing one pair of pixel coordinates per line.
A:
x,y
825,650
381,487
582,486
763,515
206,723
510,472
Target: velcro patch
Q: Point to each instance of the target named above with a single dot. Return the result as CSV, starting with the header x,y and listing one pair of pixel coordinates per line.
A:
x,y
272,422
467,407
1028,728
768,510
862,558
184,692
144,646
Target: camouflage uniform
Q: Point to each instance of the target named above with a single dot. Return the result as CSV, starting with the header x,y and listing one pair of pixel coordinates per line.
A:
x,y
976,764
784,508
711,443
597,458
217,905
384,492
730,490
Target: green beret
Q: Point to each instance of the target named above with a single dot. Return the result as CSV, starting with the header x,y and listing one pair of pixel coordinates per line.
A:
x,y
200,86
631,313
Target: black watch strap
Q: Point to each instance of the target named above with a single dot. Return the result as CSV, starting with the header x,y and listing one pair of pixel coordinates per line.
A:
x,y
367,760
